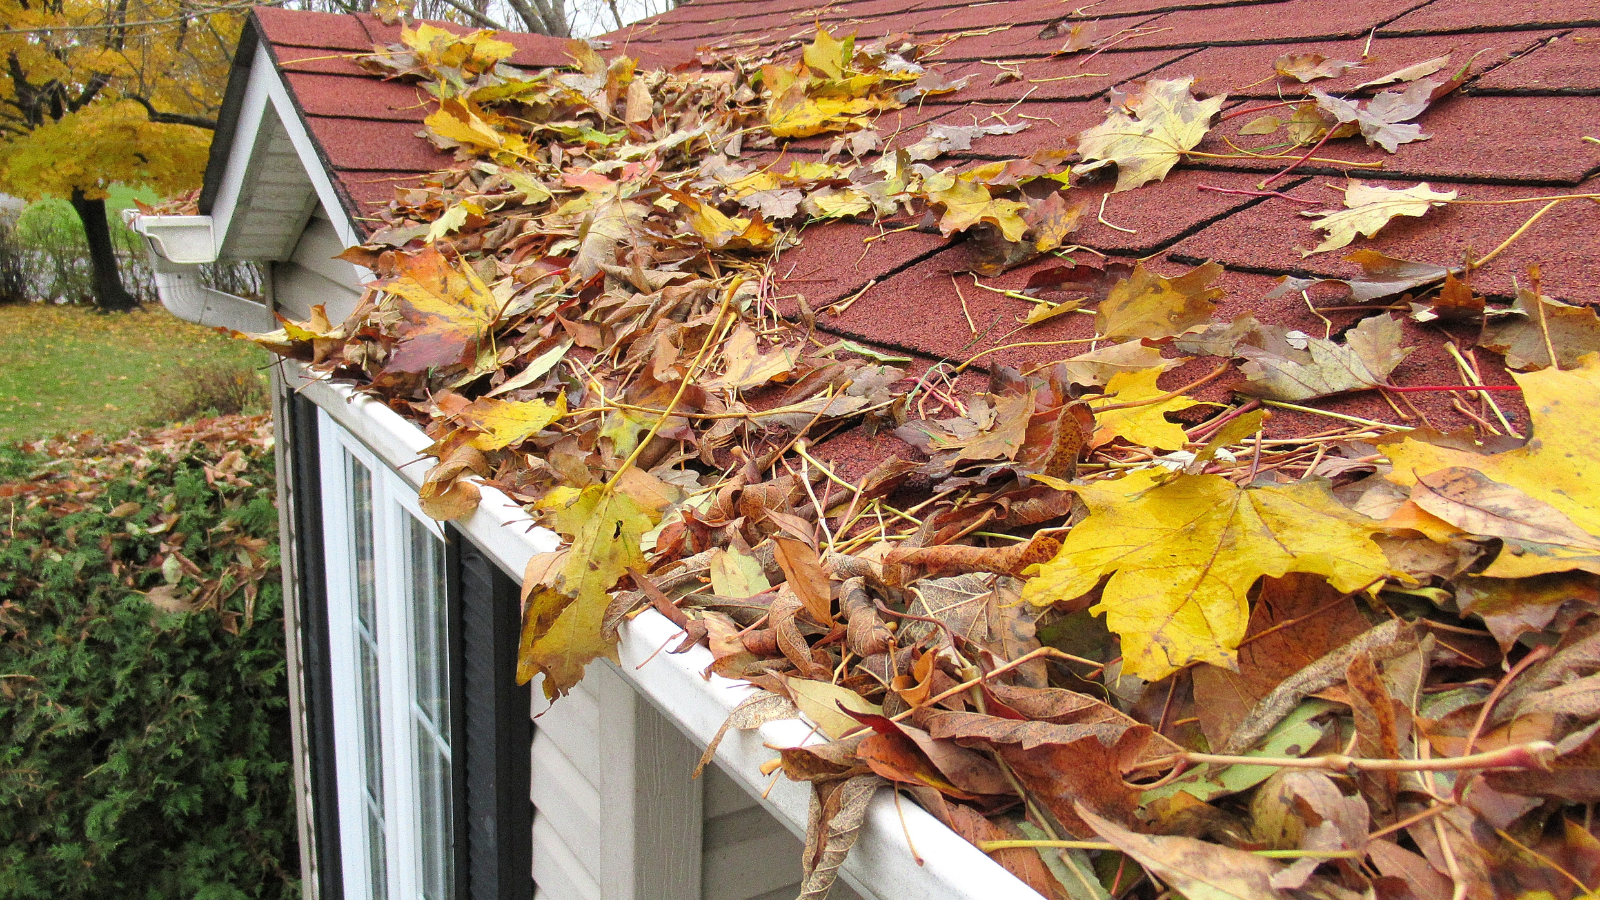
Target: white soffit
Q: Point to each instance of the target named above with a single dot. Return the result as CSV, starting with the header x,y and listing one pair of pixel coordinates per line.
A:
x,y
882,865
274,177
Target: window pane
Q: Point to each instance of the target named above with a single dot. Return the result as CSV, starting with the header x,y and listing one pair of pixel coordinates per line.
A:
x,y
368,671
375,856
433,773
431,628
361,513
430,710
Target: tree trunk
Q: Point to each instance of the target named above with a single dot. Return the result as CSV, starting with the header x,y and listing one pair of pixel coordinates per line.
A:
x,y
109,294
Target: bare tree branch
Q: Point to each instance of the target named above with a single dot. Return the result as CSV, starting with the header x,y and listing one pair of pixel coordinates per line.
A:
x,y
166,118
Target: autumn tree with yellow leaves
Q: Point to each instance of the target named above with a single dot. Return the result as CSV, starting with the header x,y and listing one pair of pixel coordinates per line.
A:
x,y
94,94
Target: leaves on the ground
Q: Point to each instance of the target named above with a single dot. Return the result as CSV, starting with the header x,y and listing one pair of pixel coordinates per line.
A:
x,y
1370,352
1148,133
1182,556
1368,208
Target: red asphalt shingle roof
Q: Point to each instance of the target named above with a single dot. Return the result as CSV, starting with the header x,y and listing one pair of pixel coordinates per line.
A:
x,y
1515,129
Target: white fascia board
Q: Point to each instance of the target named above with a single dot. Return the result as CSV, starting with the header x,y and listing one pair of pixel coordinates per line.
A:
x,y
882,864
266,92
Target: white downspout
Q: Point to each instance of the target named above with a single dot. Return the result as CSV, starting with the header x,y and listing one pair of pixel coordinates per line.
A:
x,y
178,246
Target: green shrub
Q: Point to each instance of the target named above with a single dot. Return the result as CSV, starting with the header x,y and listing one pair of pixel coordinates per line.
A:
x,y
217,388
53,255
13,273
144,733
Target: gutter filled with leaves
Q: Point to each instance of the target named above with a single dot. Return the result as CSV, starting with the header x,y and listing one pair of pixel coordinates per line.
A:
x,y
1113,651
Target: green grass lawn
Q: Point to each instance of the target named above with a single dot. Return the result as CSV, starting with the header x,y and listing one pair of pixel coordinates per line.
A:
x,y
65,368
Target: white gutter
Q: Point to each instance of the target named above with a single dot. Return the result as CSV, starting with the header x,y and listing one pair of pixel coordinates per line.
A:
x,y
882,865
178,246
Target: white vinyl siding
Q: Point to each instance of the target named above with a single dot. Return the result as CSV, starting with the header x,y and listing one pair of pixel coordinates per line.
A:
x,y
747,853
311,276
616,816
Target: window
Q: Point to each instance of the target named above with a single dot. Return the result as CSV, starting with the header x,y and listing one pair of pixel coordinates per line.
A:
x,y
390,635
430,709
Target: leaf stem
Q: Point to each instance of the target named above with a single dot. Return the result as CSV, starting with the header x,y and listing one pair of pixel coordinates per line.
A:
x,y
1424,388
1348,164
712,337
1214,374
992,846
1327,133
1251,109
1489,257
963,367
1531,755
1279,194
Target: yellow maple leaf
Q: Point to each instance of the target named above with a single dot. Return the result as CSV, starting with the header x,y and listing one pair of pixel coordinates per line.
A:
x,y
966,204
506,423
1368,209
440,49
747,367
806,116
828,55
1182,556
1145,425
723,232
562,626
1146,305
1148,135
445,312
1554,469
464,124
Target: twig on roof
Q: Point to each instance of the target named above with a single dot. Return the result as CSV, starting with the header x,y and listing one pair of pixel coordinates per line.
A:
x,y
963,298
1102,217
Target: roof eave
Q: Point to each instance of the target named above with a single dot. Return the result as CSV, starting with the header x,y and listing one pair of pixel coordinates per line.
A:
x,y
228,116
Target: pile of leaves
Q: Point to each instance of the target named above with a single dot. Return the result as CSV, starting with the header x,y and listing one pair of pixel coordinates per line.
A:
x,y
1116,651
143,704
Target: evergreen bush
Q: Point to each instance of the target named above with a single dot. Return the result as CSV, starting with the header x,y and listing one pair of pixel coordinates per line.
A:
x,y
144,729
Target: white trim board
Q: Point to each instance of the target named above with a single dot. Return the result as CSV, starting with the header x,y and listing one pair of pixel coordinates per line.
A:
x,y
266,92
881,867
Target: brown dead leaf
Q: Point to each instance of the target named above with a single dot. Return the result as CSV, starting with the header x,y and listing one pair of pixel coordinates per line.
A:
x,y
446,312
1147,305
446,493
1370,352
1037,752
1377,734
1539,330
959,559
803,570
837,812
1304,67
1513,607
1200,870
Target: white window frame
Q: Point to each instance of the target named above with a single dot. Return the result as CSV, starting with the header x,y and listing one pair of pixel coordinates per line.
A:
x,y
394,502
